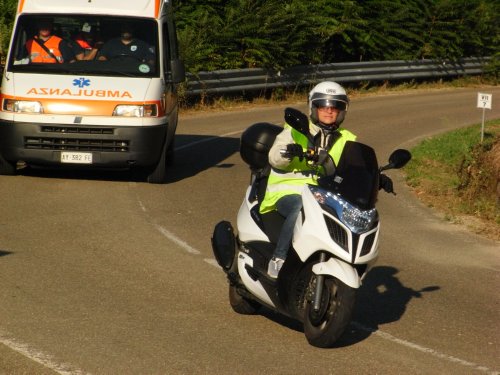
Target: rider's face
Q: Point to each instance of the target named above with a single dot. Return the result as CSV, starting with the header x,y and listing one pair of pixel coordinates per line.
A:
x,y
328,115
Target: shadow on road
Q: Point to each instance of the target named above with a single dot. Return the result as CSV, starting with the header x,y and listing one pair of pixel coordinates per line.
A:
x,y
3,253
382,299
193,155
199,154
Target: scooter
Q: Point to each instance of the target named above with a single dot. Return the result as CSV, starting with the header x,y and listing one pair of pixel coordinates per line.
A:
x,y
335,240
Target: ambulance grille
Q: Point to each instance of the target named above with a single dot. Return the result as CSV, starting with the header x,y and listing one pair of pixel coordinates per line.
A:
x,y
77,130
337,233
70,144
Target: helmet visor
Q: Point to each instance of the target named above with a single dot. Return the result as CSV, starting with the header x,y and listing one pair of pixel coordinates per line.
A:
x,y
332,103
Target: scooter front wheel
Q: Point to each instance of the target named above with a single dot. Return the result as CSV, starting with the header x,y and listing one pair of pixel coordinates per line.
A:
x,y
240,304
323,327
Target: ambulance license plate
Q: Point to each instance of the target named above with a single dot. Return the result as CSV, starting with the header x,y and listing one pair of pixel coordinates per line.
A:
x,y
76,157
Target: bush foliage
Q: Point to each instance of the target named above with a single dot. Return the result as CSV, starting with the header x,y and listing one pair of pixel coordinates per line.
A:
x,y
235,34
7,13
228,34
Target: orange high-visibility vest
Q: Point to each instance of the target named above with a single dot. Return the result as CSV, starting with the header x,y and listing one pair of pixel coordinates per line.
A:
x,y
39,55
82,42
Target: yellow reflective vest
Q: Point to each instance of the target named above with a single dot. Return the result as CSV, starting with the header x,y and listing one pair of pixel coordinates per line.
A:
x,y
292,179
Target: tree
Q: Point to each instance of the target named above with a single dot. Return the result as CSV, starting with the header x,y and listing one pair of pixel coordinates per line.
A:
x,y
196,25
243,33
265,33
7,14
459,28
275,34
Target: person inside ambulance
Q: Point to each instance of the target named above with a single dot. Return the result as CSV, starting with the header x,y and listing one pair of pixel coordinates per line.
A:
x,y
86,44
45,47
127,45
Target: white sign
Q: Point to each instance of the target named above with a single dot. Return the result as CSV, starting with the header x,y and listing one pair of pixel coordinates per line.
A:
x,y
483,100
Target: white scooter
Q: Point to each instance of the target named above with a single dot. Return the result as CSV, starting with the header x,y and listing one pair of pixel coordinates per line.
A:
x,y
334,243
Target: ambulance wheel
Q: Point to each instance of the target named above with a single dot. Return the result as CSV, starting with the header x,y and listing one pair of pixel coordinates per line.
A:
x,y
171,154
7,168
240,304
158,174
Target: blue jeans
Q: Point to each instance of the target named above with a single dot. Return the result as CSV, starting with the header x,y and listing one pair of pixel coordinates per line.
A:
x,y
289,207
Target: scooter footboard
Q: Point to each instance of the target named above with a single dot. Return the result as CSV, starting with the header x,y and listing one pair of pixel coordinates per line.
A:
x,y
341,270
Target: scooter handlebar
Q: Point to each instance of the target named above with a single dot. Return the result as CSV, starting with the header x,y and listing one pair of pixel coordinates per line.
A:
x,y
295,150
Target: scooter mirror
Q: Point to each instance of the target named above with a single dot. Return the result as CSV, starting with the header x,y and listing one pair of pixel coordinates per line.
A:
x,y
399,158
297,120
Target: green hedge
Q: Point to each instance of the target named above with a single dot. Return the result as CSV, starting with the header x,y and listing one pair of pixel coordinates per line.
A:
x,y
234,34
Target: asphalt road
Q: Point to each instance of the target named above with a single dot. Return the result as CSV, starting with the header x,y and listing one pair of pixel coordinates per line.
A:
x,y
100,274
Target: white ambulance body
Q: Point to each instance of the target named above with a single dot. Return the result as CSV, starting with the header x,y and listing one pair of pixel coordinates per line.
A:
x,y
116,111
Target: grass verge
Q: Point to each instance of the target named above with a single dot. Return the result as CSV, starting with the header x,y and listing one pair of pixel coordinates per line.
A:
x,y
460,177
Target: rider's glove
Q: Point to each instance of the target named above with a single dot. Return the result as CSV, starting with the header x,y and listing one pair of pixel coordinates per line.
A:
x,y
385,183
292,150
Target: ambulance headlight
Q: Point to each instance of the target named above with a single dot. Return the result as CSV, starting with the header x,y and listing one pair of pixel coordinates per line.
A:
x,y
146,110
23,106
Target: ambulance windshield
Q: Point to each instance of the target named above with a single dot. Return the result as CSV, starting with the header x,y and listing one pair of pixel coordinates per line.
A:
x,y
84,44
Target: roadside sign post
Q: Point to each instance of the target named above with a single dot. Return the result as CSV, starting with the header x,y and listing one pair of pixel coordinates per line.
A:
x,y
483,101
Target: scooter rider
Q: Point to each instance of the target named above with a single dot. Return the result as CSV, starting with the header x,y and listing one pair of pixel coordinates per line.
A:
x,y
328,104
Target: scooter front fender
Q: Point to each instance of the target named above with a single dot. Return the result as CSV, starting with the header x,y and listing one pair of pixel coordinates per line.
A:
x,y
340,270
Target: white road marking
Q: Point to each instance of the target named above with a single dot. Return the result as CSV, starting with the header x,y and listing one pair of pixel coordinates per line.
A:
x,y
212,262
172,237
39,357
424,349
206,140
143,208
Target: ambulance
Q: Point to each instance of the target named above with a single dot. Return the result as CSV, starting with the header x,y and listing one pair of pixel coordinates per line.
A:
x,y
92,84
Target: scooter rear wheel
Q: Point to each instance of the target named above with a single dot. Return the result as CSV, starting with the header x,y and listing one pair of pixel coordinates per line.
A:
x,y
323,327
240,304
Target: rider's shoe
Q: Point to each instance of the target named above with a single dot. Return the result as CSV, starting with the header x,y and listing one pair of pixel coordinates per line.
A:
x,y
274,267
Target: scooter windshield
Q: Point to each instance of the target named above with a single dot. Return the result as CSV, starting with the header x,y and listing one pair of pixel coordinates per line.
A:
x,y
356,178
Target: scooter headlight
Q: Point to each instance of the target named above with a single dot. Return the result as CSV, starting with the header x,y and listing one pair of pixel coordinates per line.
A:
x,y
357,220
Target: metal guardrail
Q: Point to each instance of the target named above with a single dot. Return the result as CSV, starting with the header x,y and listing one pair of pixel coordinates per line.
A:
x,y
246,80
